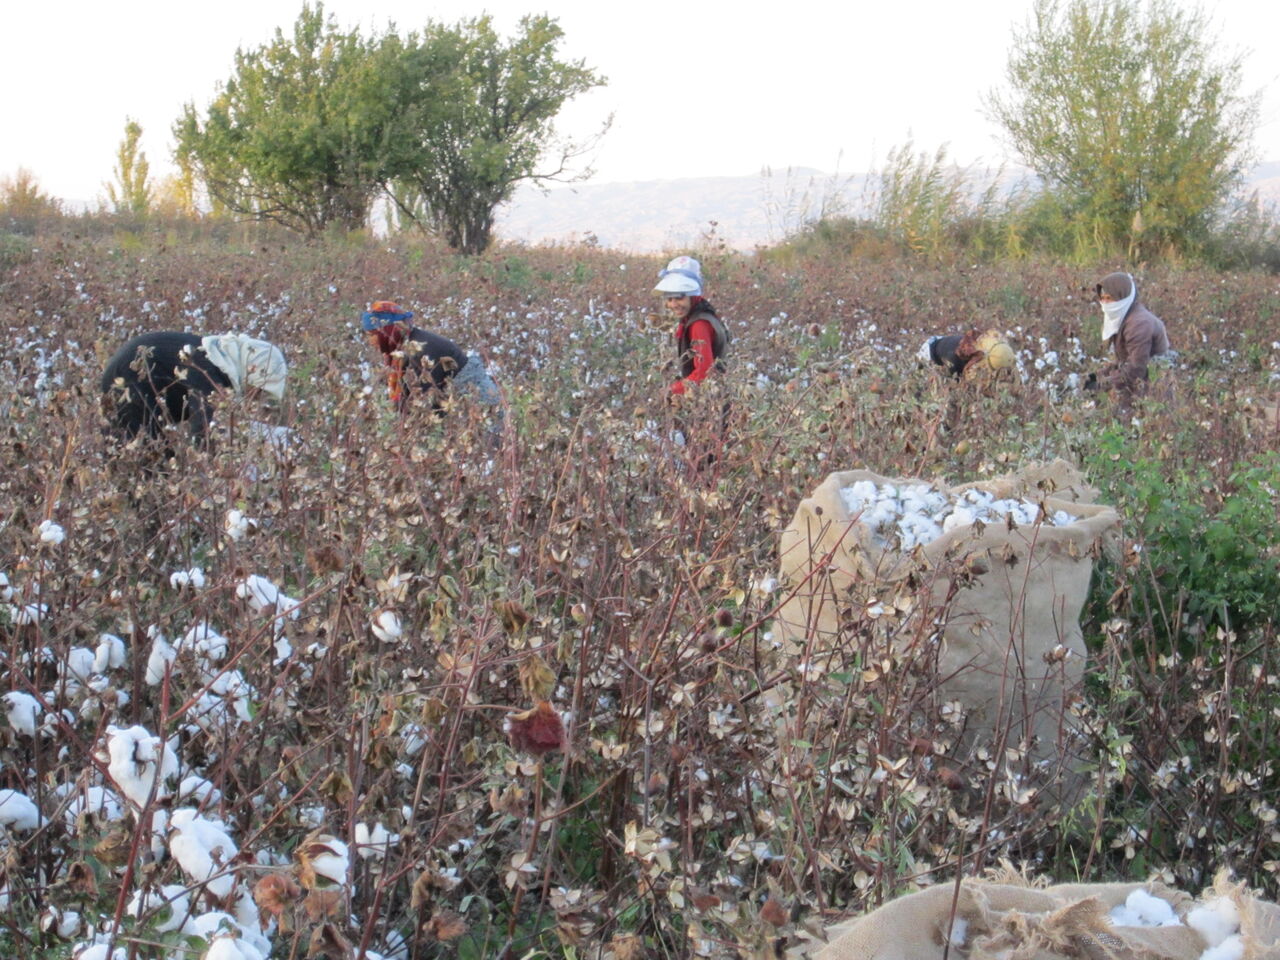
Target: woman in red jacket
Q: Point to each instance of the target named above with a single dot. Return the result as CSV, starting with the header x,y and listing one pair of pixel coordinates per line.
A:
x,y
701,337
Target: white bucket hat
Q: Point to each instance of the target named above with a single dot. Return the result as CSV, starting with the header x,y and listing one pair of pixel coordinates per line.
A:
x,y
683,276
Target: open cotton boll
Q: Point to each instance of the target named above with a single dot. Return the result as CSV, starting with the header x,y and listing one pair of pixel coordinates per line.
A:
x,y
22,709
95,800
1215,920
18,811
50,532
6,591
79,663
96,951
326,856
1231,948
169,906
199,790
190,579
161,657
373,841
386,626
134,758
206,642
203,849
228,947
238,526
1143,909
110,654
26,614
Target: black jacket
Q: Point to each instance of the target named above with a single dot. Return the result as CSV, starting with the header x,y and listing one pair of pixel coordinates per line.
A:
x,y
160,378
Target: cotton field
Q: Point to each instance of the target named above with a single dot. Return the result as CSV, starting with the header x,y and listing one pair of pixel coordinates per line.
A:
x,y
352,684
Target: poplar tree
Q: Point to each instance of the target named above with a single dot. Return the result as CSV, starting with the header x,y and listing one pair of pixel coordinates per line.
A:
x,y
1131,116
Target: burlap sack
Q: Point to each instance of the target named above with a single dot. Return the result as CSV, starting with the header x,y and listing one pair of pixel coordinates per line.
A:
x,y
1008,598
986,920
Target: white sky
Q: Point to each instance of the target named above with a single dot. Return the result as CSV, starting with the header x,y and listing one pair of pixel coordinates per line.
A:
x,y
698,88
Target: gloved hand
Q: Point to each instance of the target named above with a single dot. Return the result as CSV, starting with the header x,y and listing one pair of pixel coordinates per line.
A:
x,y
1090,383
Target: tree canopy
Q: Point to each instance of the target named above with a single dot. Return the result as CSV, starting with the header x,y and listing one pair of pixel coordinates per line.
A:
x,y
313,126
1131,117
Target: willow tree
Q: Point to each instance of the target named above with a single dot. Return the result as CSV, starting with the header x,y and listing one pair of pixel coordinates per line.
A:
x,y
1130,115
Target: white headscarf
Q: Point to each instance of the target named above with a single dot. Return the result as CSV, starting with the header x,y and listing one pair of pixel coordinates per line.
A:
x,y
1113,311
247,362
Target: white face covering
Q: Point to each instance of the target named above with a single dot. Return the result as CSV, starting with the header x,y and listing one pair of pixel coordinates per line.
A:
x,y
1113,311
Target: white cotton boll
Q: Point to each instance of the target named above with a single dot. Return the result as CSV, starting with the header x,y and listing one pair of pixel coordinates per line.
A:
x,y
227,947
1143,909
133,756
260,593
199,790
26,614
238,526
206,641
6,591
170,906
95,800
22,709
63,923
191,579
96,951
330,858
373,841
206,926
110,654
1061,518
311,817
161,657
203,849
386,626
959,517
18,811
414,737
79,663
49,532
1231,948
857,496
1215,920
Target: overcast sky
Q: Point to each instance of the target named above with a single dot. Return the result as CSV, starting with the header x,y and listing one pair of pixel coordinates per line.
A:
x,y
699,88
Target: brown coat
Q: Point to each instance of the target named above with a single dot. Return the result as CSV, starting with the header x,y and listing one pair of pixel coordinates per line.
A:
x,y
1142,336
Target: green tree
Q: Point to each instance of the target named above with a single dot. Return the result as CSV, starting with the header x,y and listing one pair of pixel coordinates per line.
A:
x,y
1130,116
131,192
23,202
486,125
299,134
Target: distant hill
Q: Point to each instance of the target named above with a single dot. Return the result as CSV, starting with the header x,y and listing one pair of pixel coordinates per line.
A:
x,y
744,212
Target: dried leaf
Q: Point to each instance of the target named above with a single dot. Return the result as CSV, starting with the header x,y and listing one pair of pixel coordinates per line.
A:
x,y
536,678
